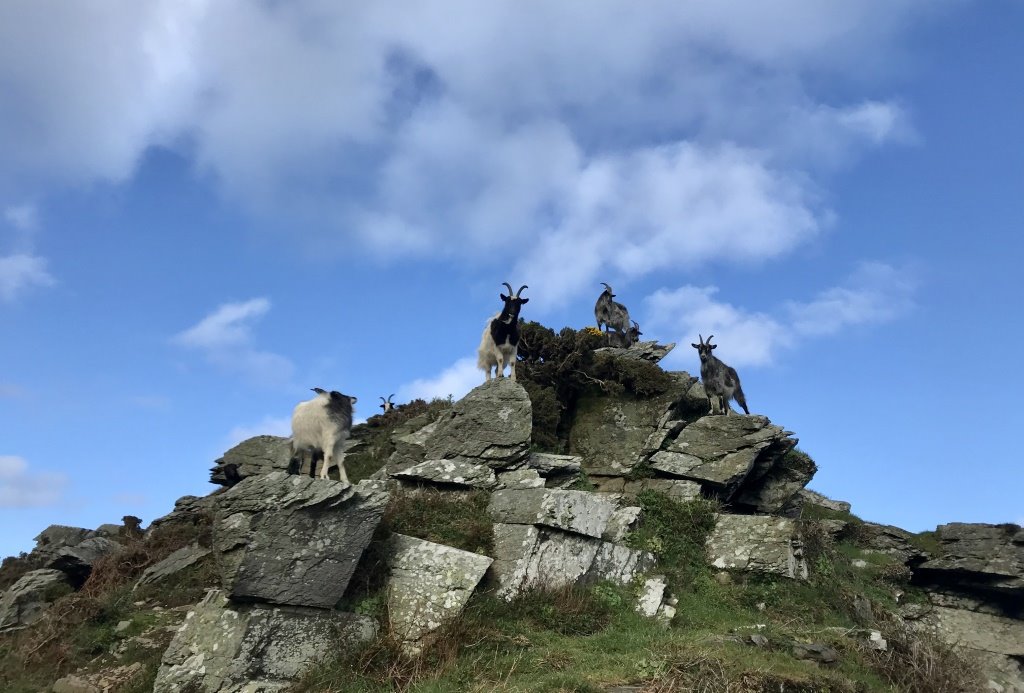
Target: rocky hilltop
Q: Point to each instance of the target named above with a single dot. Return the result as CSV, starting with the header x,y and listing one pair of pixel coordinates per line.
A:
x,y
688,542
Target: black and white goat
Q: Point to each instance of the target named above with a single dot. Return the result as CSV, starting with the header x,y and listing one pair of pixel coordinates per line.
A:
x,y
610,313
721,383
386,404
321,425
499,343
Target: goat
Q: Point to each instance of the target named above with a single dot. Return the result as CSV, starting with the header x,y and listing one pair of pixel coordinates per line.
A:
x,y
721,383
386,404
321,424
624,340
499,344
611,314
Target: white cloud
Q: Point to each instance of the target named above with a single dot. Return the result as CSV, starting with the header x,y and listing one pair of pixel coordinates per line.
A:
x,y
455,380
22,488
686,130
268,426
875,293
21,272
225,338
23,217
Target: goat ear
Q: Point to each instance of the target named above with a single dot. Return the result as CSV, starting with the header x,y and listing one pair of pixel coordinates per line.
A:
x,y
503,297
524,300
695,346
353,400
713,346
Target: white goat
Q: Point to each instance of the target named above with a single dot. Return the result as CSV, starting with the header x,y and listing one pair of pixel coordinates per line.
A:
x,y
499,343
322,424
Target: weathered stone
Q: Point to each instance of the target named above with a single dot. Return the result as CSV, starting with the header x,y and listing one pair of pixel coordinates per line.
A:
x,y
721,451
526,556
54,538
610,432
680,490
574,511
258,455
290,539
889,540
520,479
25,602
77,561
651,595
645,351
757,543
454,472
996,634
978,557
778,475
491,425
74,684
815,652
548,464
618,564
187,510
223,648
410,442
174,563
815,498
429,584
621,523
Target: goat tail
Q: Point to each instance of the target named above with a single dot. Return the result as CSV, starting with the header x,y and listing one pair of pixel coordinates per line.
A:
x,y
740,399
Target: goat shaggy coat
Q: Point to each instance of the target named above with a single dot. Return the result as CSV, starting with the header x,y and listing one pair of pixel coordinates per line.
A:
x,y
322,424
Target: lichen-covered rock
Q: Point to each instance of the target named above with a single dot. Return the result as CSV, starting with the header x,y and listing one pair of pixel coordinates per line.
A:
x,y
618,564
889,540
177,561
410,441
978,631
103,681
978,557
814,498
451,472
623,521
548,464
777,477
574,511
651,595
645,351
77,561
520,479
25,602
54,538
680,490
491,425
757,543
258,455
290,539
721,451
527,556
429,584
227,648
611,432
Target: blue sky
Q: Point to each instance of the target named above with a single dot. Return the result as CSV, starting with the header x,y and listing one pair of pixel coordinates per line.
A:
x,y
208,208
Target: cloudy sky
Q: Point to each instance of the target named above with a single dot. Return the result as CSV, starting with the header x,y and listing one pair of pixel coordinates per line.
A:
x,y
207,208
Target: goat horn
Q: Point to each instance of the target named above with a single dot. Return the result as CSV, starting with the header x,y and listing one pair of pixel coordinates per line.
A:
x,y
607,287
383,400
509,287
524,286
390,396
710,338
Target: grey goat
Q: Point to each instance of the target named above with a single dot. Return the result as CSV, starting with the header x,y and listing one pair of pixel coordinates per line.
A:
x,y
611,313
321,424
721,383
624,340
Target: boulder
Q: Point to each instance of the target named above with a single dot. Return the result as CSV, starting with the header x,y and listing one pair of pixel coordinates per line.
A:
x,y
814,498
611,433
188,510
491,425
258,455
25,602
651,595
621,523
645,351
429,584
979,558
177,561
520,479
526,557
721,451
77,561
574,511
222,647
978,631
116,679
548,464
54,538
290,539
889,540
757,543
449,472
775,479
618,564
410,441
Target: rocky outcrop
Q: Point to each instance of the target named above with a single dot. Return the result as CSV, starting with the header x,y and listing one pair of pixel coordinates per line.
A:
x,y
429,584
890,540
252,457
809,497
987,560
290,539
455,472
757,543
77,561
574,511
25,602
228,648
644,351
680,490
179,560
52,540
489,426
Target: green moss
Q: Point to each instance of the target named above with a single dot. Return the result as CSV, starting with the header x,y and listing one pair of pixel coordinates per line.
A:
x,y
458,519
677,533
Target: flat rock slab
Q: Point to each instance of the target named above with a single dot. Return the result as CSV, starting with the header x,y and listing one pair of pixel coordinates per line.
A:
x,y
25,602
179,560
452,472
520,479
757,543
290,539
257,455
429,584
491,425
680,490
720,451
778,476
619,564
979,555
814,498
221,647
548,464
574,511
77,561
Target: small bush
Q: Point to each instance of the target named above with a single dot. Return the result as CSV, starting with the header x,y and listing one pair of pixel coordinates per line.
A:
x,y
918,662
458,519
677,533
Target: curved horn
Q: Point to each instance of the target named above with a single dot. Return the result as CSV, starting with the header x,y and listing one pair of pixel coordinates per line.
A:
x,y
710,338
699,338
383,400
390,396
607,287
524,286
509,287
635,324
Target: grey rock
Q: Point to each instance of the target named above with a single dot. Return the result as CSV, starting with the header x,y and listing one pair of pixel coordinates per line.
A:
x,y
77,561
757,543
54,538
815,652
258,455
721,451
575,511
74,684
779,474
527,557
410,441
25,602
520,479
614,433
621,523
548,464
290,539
680,490
652,593
429,584
645,351
451,472
177,561
222,647
618,564
889,540
815,498
110,531
491,425
978,631
978,557
187,510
